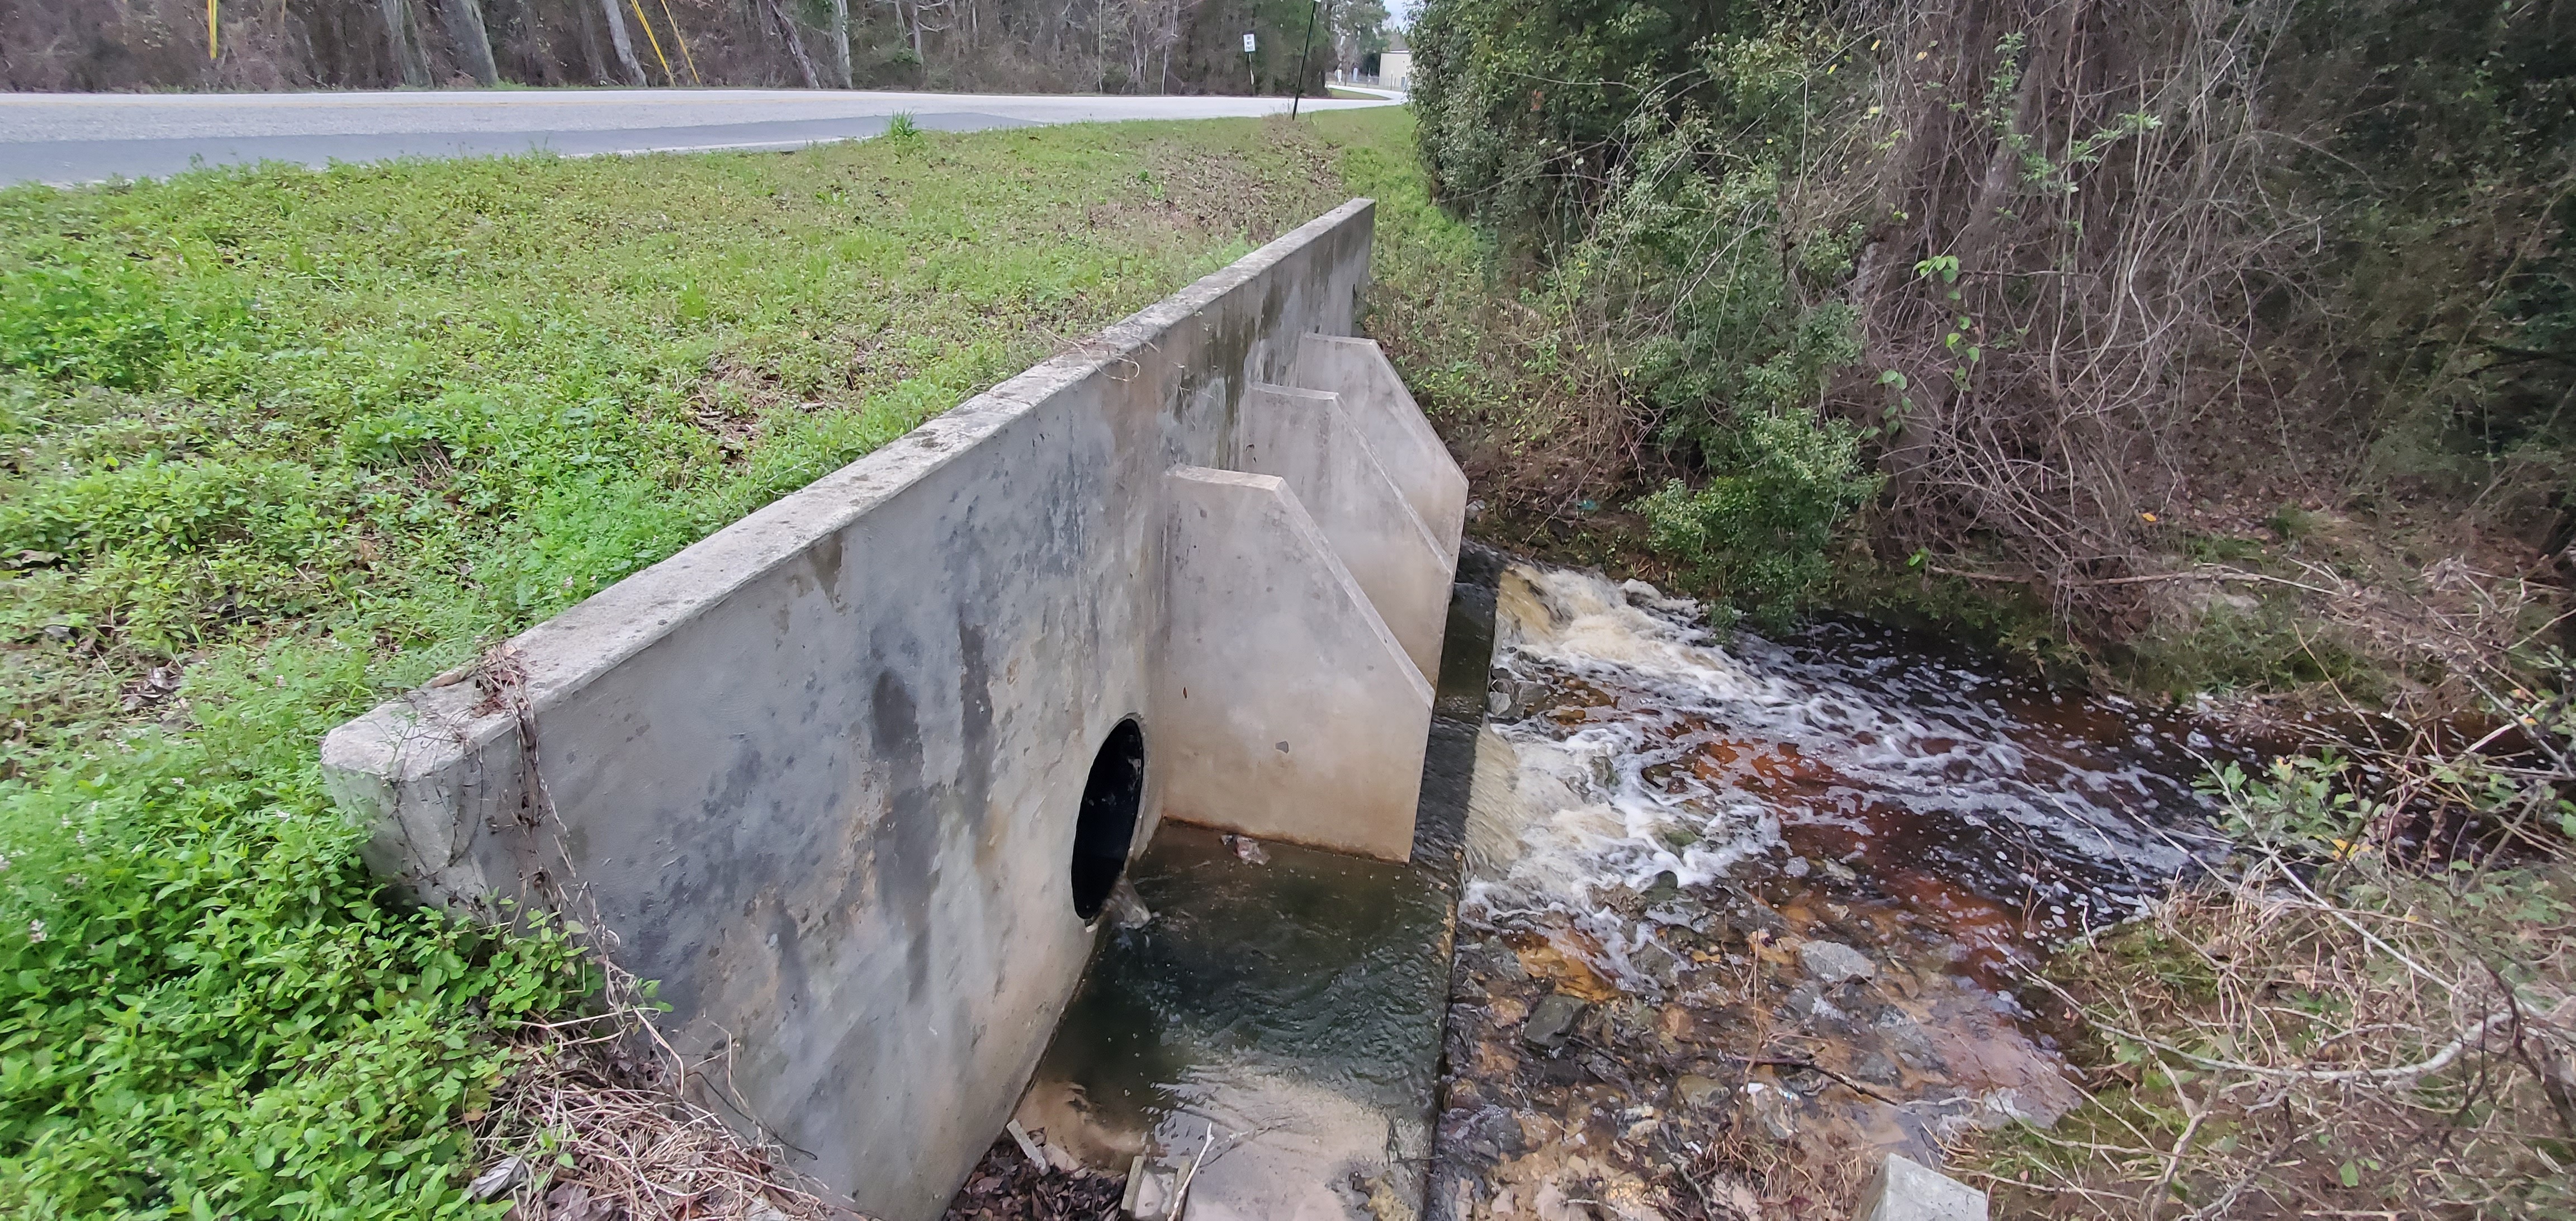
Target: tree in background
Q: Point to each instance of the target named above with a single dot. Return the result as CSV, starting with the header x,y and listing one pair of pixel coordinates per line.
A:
x,y
1123,46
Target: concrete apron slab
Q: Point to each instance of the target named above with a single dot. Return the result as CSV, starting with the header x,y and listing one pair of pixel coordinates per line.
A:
x,y
849,777
1282,1008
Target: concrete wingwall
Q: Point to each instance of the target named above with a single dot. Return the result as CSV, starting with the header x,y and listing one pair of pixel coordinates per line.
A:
x,y
818,774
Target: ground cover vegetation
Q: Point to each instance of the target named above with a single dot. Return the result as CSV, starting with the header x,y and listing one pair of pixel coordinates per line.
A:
x,y
2194,349
276,443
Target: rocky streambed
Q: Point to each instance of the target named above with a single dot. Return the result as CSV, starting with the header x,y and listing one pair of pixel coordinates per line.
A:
x,y
1741,916
1734,918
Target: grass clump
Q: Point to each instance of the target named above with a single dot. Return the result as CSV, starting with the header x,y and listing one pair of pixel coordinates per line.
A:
x,y
275,444
2375,1015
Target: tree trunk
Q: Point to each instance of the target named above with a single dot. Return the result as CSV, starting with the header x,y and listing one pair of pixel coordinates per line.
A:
x,y
591,55
795,45
406,49
841,43
473,42
625,43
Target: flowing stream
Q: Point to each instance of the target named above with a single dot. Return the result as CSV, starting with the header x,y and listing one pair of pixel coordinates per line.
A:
x,y
1727,893
1708,893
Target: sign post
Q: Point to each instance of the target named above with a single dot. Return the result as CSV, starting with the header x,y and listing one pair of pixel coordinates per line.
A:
x,y
1308,53
1251,79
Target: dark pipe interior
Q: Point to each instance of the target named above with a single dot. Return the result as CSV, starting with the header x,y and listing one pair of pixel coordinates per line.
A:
x,y
1107,825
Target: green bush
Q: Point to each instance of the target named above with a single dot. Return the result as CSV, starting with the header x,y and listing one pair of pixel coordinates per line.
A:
x,y
1759,530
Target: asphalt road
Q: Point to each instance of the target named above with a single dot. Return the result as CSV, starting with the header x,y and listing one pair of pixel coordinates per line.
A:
x,y
67,138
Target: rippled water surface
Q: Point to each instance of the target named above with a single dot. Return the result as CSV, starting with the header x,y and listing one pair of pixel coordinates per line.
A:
x,y
1793,884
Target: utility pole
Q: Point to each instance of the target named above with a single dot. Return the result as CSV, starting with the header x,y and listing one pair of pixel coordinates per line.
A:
x,y
1303,56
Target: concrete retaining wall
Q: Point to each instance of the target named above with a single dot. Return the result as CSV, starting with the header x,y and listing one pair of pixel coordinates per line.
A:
x,y
819,773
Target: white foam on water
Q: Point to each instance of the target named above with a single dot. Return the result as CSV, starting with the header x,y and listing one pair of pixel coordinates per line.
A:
x,y
1562,813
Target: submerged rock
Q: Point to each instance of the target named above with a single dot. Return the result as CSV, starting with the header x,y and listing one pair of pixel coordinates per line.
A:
x,y
1551,1021
1832,962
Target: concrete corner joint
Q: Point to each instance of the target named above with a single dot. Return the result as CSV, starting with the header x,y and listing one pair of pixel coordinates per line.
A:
x,y
1907,1190
834,775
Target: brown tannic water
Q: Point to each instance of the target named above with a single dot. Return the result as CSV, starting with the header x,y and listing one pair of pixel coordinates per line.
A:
x,y
1733,917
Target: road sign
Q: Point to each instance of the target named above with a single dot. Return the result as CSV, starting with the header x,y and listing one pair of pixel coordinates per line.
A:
x,y
1247,44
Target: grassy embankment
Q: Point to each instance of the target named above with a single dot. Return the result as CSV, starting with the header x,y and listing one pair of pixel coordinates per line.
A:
x,y
281,443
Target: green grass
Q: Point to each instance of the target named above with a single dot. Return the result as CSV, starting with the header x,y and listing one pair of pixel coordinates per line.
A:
x,y
279,444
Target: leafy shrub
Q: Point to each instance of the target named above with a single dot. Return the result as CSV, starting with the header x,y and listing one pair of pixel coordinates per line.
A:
x,y
1759,529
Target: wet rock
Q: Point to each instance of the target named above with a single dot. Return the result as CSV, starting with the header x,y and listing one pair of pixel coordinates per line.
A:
x,y
1666,887
1752,915
1487,1134
1832,962
1552,1021
1905,1037
1808,1007
1692,1091
1906,1190
1655,962
1509,697
1772,1108
1494,959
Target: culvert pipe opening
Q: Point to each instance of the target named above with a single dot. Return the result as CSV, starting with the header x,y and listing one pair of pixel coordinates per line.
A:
x,y
1106,827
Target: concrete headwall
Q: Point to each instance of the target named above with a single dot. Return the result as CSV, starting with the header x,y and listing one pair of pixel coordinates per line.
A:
x,y
819,773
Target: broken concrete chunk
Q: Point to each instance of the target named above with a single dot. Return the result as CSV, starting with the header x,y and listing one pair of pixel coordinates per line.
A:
x,y
1551,1021
1248,850
1126,908
1832,962
1157,1190
1907,1190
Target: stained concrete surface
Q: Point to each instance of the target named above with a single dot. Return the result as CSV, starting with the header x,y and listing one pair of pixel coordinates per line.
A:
x,y
1307,438
1273,660
1385,413
1283,1015
818,773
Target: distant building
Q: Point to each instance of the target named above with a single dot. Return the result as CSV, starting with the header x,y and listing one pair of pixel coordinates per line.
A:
x,y
1395,69
1391,68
